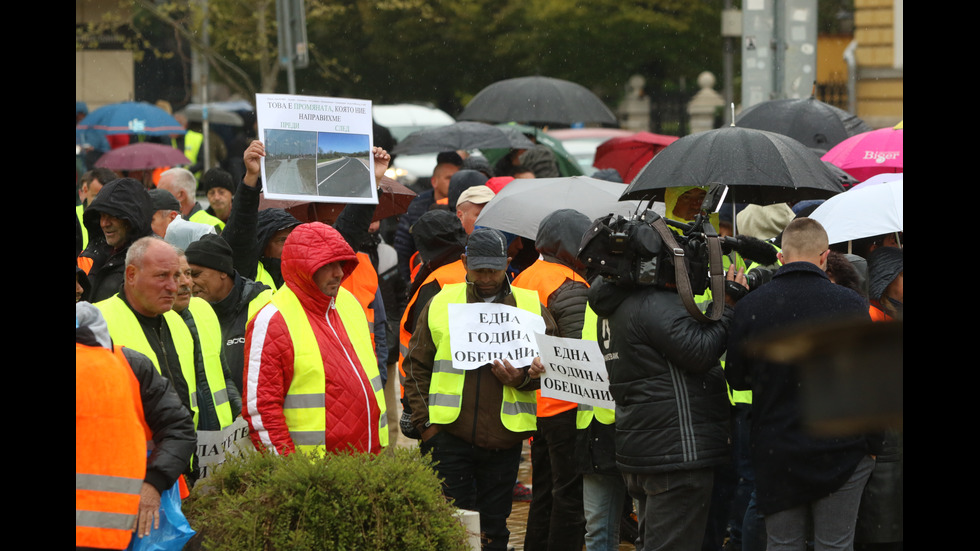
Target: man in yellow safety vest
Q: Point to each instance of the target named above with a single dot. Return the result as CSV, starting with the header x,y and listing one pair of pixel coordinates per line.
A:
x,y
474,421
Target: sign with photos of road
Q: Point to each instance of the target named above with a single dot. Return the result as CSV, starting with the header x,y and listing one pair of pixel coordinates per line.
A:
x,y
317,148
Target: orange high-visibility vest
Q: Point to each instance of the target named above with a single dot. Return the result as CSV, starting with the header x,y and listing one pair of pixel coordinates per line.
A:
x,y
185,492
85,263
454,272
363,284
877,314
545,278
110,449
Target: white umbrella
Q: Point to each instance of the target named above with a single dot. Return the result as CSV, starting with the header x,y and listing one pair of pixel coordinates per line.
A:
x,y
519,207
880,179
875,209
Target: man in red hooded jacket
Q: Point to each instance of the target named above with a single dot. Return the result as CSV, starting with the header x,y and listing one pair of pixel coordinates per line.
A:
x,y
311,380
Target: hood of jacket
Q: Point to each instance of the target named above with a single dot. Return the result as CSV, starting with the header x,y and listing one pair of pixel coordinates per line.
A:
x,y
605,297
267,223
559,236
90,327
126,199
439,237
884,265
307,249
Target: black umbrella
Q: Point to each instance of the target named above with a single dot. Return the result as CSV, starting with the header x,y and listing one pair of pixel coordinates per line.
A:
x,y
540,100
460,136
810,121
760,167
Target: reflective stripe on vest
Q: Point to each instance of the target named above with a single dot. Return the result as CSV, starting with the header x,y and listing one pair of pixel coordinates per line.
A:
x,y
209,333
453,272
545,278
704,300
585,413
304,406
110,449
518,410
126,330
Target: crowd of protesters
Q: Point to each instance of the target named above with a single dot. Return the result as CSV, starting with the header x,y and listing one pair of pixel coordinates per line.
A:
x,y
308,331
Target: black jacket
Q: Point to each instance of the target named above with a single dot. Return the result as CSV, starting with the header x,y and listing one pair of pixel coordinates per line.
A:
x,y
125,199
232,312
791,466
666,378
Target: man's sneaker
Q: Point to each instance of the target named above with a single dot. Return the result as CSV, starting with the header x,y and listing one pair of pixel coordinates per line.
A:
x,y
521,492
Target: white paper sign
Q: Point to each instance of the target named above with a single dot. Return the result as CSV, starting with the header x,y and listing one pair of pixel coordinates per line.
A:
x,y
316,148
480,333
574,371
213,446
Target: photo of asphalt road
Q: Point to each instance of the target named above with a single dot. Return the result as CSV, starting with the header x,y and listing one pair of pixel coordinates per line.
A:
x,y
319,164
343,177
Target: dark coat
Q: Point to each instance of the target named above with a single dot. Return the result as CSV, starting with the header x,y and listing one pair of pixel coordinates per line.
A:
x,y
232,312
404,243
666,378
791,467
127,200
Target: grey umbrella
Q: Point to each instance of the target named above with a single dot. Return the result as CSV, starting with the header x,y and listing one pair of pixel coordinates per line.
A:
x,y
460,136
541,100
760,167
520,205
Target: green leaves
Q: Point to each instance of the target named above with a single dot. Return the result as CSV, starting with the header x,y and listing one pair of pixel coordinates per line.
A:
x,y
338,501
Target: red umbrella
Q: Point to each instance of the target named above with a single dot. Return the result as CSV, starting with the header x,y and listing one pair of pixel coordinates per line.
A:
x,y
869,153
142,156
629,154
393,201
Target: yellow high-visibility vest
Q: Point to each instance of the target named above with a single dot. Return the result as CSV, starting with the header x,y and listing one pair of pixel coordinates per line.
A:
x,y
585,413
125,330
209,333
518,411
304,407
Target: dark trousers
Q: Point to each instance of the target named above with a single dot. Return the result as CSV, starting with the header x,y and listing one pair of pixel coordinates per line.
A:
x,y
556,518
478,479
673,508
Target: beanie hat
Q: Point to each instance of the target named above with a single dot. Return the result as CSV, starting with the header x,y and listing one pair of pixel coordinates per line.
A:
x,y
211,251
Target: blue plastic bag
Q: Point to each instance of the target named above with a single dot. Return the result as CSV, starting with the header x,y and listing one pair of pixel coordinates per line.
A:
x,y
174,529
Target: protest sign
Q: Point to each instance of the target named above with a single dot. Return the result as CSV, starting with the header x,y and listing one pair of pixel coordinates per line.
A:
x,y
574,371
213,446
483,332
316,148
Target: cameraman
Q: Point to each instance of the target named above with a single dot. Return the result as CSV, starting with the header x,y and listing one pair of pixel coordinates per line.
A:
x,y
672,408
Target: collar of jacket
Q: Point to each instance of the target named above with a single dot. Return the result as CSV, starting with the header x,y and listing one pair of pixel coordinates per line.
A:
x,y
800,267
471,295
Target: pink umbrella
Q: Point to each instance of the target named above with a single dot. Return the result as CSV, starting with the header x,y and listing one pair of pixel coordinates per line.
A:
x,y
869,153
142,156
629,154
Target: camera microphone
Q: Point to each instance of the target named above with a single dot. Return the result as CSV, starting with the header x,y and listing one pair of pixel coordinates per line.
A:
x,y
751,248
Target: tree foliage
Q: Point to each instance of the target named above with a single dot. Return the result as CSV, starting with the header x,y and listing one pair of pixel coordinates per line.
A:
x,y
445,51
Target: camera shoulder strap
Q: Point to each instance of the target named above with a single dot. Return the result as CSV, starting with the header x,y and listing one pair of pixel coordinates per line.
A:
x,y
683,280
